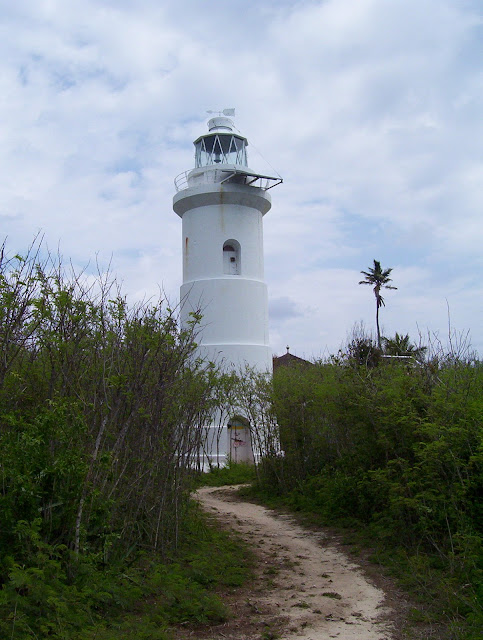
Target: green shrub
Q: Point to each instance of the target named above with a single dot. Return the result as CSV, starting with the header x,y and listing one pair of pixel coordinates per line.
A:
x,y
397,451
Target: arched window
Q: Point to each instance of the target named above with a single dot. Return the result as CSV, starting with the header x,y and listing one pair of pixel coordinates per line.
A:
x,y
231,258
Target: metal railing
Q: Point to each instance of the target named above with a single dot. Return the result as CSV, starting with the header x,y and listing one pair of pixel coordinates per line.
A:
x,y
219,176
181,181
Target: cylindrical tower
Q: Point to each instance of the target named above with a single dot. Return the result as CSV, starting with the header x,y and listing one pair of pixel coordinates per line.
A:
x,y
222,204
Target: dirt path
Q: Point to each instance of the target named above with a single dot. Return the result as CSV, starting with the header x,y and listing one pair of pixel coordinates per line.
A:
x,y
308,587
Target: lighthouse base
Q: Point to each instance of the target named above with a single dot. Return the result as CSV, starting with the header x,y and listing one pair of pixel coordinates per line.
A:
x,y
222,445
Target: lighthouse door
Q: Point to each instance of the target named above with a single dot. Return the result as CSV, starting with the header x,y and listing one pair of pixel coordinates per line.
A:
x,y
240,440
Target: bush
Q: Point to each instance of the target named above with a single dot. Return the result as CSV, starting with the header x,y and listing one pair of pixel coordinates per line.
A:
x,y
396,449
101,413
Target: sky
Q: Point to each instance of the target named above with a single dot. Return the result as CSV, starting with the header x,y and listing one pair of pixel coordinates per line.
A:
x,y
370,110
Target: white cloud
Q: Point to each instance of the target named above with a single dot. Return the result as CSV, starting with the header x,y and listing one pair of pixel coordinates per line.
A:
x,y
370,110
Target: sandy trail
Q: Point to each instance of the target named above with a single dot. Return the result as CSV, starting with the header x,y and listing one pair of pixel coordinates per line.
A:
x,y
315,590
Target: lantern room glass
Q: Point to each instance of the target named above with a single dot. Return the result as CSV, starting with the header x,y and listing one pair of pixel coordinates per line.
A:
x,y
220,148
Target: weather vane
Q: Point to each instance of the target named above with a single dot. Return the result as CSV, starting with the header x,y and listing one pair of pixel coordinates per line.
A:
x,y
225,112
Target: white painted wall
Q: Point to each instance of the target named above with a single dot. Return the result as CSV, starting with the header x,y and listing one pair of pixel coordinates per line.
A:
x,y
234,327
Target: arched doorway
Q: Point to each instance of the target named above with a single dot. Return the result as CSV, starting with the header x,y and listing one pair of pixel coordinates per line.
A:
x,y
240,440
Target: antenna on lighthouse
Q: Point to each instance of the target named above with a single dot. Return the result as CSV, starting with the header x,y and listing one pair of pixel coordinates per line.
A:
x,y
225,112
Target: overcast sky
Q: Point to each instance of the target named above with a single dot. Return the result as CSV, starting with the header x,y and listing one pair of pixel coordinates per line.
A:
x,y
370,110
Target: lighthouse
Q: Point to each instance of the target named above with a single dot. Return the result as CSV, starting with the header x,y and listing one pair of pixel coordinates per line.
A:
x,y
221,202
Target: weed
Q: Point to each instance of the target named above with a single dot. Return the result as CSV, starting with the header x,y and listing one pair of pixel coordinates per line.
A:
x,y
232,473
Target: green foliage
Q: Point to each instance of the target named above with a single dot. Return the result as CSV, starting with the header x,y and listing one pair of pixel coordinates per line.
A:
x,y
145,599
101,414
394,450
182,591
402,346
212,557
232,473
43,467
182,599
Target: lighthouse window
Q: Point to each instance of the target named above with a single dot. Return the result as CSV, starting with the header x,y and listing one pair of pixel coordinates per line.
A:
x,y
231,258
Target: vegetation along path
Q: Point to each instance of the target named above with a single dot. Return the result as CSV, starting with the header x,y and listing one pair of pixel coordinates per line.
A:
x,y
315,591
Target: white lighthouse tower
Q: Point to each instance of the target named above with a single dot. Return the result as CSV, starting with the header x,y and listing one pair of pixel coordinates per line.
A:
x,y
222,203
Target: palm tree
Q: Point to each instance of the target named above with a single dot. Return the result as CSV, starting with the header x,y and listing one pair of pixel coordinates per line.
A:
x,y
402,346
379,279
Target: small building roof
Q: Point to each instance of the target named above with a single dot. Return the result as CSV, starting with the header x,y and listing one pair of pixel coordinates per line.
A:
x,y
288,359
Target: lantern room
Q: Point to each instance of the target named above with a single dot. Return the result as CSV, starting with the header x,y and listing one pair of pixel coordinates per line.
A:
x,y
220,145
221,157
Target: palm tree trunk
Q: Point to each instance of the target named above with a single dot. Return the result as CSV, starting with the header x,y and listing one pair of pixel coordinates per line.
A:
x,y
377,327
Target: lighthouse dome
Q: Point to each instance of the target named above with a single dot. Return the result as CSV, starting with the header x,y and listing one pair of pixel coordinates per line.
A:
x,y
220,124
